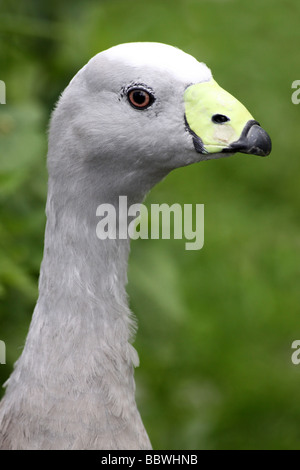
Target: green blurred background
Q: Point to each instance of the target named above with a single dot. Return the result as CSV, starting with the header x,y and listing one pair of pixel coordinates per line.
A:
x,y
215,325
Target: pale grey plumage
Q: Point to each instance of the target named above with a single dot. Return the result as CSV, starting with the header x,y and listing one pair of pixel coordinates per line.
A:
x,y
73,386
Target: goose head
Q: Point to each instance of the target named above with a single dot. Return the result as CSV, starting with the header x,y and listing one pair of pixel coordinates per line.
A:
x,y
138,110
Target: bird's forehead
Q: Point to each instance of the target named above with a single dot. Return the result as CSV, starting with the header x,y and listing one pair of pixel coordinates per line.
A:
x,y
161,58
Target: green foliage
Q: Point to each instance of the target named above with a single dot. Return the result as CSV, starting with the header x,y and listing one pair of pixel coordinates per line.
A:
x,y
215,326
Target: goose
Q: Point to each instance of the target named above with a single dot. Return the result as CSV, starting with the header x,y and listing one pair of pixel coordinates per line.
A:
x,y
132,114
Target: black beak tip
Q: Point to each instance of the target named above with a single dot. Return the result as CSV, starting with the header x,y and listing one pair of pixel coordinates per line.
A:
x,y
254,141
259,141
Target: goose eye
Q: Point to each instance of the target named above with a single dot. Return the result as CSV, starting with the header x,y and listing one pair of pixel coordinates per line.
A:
x,y
139,98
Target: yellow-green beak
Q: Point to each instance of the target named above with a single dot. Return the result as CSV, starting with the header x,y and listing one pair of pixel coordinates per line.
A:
x,y
219,123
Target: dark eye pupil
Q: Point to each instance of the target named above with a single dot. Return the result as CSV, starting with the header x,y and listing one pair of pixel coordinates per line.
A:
x,y
139,97
219,118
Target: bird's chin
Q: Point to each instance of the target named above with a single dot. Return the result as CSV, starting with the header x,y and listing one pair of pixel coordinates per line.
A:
x,y
195,157
215,156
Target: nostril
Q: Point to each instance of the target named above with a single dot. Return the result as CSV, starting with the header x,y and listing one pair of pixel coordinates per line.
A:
x,y
219,118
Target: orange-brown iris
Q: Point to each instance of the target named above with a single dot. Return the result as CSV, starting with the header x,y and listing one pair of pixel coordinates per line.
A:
x,y
139,98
